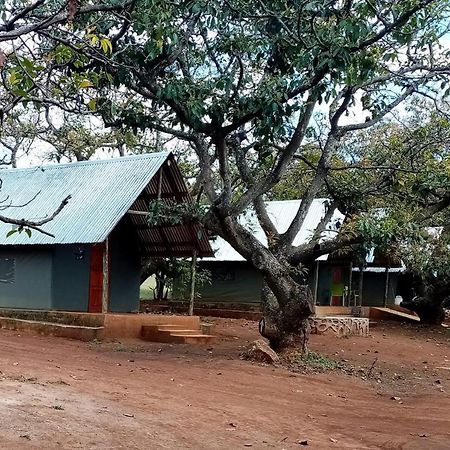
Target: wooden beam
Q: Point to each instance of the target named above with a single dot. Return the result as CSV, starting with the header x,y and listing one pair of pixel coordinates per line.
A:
x,y
183,254
137,213
145,196
192,293
361,285
350,282
179,195
174,244
316,282
106,277
386,286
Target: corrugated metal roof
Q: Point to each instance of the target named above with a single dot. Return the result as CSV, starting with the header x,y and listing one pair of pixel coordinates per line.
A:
x,y
282,214
168,240
102,192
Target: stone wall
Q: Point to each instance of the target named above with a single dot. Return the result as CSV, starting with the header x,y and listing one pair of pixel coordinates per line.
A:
x,y
340,326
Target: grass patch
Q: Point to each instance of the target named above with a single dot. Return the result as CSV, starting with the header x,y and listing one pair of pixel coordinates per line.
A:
x,y
318,361
310,362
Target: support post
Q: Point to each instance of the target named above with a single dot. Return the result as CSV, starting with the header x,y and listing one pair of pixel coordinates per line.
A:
x,y
316,282
350,281
386,287
361,285
192,293
159,189
106,278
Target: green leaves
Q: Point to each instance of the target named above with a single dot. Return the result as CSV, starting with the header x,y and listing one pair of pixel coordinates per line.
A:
x,y
19,230
162,213
11,232
106,45
83,84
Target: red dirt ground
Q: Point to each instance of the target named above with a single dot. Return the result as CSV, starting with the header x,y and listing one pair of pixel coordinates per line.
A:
x,y
58,393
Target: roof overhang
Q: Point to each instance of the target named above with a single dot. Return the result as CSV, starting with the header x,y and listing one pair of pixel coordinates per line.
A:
x,y
167,240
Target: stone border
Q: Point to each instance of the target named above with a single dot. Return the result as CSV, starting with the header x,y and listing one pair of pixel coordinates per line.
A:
x,y
340,326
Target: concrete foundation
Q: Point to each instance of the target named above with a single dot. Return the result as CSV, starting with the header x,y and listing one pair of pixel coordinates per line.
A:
x,y
79,332
130,325
329,311
86,326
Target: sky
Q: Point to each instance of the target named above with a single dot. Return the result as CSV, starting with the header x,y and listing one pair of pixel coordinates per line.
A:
x,y
355,114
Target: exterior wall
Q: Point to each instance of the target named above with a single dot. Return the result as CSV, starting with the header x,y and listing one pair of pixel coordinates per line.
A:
x,y
326,286
124,270
71,266
30,285
239,283
373,285
58,277
231,282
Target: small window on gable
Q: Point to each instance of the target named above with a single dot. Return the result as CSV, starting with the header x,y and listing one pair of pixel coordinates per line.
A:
x,y
7,270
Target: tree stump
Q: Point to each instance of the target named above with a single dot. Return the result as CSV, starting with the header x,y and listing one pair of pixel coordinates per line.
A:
x,y
340,326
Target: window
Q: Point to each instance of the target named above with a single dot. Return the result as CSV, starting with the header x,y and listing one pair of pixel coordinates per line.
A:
x,y
7,270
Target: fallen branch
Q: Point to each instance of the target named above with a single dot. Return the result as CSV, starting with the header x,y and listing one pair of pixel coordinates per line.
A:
x,y
369,373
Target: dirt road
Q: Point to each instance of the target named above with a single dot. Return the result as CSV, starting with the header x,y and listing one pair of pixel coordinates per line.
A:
x,y
57,393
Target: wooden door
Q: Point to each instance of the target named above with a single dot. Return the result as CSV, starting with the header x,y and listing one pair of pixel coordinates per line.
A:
x,y
96,279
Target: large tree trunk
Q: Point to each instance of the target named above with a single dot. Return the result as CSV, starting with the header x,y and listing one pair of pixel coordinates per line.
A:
x,y
285,322
431,294
429,309
287,305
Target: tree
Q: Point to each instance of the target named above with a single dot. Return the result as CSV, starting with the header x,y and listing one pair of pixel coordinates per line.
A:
x,y
240,82
402,174
428,261
18,22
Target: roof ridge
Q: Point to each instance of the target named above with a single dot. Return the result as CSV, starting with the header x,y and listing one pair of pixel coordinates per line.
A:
x,y
322,199
89,162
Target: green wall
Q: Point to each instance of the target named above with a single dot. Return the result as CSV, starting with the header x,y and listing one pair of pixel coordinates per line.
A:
x,y
374,285
239,283
29,285
231,282
125,269
71,267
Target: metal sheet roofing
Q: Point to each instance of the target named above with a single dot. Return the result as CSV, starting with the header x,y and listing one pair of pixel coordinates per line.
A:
x,y
102,192
282,214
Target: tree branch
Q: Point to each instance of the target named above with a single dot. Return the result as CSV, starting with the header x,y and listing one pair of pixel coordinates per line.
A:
x,y
36,224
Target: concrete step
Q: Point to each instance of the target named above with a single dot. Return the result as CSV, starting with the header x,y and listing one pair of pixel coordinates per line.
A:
x,y
172,327
201,339
185,333
174,335
181,332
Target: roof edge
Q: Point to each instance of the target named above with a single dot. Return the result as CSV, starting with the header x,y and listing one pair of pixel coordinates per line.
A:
x,y
44,167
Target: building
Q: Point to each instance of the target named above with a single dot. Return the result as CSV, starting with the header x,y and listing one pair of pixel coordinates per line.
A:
x,y
89,258
332,278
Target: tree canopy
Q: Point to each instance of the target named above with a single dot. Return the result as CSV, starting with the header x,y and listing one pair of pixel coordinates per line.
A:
x,y
240,83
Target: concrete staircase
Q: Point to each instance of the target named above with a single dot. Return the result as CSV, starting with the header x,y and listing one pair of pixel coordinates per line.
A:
x,y
174,334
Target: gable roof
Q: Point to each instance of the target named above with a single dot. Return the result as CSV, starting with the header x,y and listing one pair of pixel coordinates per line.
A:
x,y
102,192
281,214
